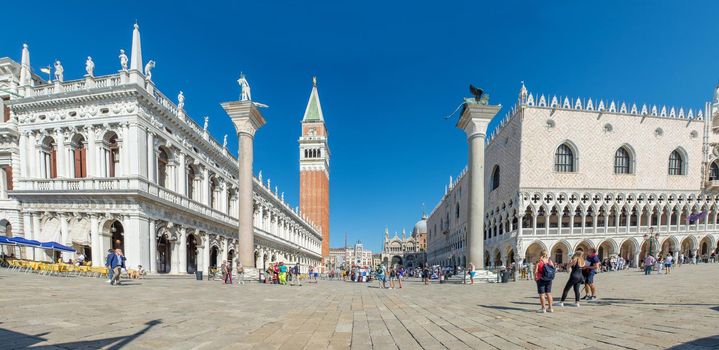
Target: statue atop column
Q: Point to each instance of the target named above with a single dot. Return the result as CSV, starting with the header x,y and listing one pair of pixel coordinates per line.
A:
x,y
90,66
224,142
123,60
59,71
207,123
148,69
180,101
245,86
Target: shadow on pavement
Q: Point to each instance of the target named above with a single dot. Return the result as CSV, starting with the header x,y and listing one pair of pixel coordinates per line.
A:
x,y
499,307
701,343
17,340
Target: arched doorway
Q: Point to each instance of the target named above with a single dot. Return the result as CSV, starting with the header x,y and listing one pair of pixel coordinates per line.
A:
x,y
688,245
584,246
627,251
533,252
560,252
669,246
164,254
5,228
231,256
118,235
510,256
497,258
191,254
606,249
214,254
705,246
487,259
396,260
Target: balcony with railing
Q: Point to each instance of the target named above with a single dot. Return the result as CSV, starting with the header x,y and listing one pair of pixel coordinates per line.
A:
x,y
118,185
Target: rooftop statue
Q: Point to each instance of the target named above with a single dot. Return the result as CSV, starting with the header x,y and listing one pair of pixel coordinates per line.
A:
x,y
207,122
224,142
148,69
180,101
90,66
59,71
245,86
480,97
123,59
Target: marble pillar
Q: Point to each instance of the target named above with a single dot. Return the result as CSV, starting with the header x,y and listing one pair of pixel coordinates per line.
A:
x,y
183,251
247,119
474,121
98,256
152,267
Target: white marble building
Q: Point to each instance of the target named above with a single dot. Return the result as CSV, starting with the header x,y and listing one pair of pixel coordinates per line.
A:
x,y
406,251
109,161
564,174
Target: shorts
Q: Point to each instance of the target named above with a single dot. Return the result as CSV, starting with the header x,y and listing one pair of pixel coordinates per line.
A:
x,y
668,265
471,274
544,287
590,278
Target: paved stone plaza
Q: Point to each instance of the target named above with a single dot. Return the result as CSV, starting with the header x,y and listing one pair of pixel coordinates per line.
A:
x,y
633,311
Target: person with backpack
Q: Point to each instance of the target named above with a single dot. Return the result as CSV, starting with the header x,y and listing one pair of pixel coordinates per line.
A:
x,y
381,276
544,275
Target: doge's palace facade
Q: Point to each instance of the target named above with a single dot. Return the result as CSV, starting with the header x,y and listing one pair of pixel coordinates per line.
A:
x,y
109,161
566,174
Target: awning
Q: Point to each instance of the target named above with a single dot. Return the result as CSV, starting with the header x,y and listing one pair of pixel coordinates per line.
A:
x,y
56,246
6,241
24,242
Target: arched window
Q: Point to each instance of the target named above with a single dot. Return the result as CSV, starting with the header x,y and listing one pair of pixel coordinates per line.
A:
x,y
48,158
78,150
495,177
457,211
162,160
111,155
564,159
676,163
622,161
714,171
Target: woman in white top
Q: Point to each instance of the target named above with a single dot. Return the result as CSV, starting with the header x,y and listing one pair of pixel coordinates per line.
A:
x,y
668,264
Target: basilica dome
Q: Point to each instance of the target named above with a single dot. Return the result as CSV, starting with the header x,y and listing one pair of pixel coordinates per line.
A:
x,y
420,227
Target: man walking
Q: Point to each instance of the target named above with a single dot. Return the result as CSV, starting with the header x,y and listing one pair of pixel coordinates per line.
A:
x,y
117,263
649,262
592,267
109,255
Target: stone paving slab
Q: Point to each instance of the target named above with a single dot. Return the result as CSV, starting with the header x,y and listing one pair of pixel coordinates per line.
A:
x,y
634,312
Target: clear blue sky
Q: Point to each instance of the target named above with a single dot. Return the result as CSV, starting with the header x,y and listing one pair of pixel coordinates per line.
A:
x,y
387,74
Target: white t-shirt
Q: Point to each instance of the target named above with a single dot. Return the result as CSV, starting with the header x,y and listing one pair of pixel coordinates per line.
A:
x,y
668,259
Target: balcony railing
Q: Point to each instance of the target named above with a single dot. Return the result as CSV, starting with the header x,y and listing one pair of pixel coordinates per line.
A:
x,y
104,185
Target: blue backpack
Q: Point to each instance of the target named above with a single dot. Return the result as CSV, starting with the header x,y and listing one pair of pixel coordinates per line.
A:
x,y
547,273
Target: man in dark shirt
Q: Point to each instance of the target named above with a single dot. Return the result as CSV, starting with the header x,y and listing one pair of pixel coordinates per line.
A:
x,y
592,267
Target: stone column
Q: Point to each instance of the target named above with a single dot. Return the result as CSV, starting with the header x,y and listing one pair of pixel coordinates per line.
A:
x,y
60,153
181,186
153,246
29,231
24,157
247,119
98,255
91,152
206,253
151,163
474,121
183,251
64,235
137,242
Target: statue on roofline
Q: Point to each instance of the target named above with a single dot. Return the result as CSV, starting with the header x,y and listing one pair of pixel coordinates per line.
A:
x,y
123,60
90,66
59,70
148,69
180,101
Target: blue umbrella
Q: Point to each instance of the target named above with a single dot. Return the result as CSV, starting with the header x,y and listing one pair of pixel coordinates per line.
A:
x,y
24,242
56,246
6,241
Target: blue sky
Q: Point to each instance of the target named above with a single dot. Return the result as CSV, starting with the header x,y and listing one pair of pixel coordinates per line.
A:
x,y
387,74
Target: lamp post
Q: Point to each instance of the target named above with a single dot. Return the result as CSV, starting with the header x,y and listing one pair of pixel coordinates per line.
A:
x,y
652,236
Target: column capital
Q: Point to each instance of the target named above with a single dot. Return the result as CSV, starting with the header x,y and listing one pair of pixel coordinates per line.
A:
x,y
476,117
245,115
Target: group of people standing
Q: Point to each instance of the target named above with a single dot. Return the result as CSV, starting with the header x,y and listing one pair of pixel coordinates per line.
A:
x,y
582,271
395,276
226,269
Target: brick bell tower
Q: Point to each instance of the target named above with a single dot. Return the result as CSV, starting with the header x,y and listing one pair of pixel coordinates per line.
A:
x,y
315,168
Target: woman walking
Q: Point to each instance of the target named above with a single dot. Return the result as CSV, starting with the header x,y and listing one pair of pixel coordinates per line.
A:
x,y
575,278
543,275
472,272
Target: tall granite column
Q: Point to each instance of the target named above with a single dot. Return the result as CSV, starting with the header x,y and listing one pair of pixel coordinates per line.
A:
x,y
474,121
247,119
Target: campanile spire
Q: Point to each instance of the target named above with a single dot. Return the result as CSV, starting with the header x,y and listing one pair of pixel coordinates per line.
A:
x,y
314,167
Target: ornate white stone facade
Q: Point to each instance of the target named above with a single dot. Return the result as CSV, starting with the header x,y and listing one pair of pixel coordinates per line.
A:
x,y
109,161
407,251
619,183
